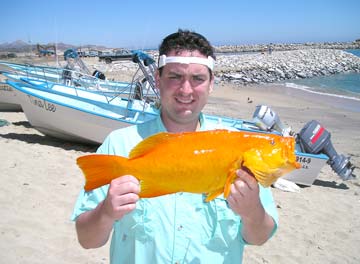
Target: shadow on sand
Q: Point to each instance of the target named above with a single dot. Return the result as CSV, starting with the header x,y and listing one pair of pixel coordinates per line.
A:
x,y
331,184
47,140
22,123
50,141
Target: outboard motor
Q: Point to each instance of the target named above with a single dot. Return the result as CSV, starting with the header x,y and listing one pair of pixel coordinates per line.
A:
x,y
314,138
267,120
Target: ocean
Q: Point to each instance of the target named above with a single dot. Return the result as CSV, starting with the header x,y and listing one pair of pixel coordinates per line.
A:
x,y
345,85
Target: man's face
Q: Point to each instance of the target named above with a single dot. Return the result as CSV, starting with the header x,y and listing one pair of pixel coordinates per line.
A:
x,y
184,88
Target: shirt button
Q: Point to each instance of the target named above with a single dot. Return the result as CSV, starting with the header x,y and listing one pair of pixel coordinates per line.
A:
x,y
180,227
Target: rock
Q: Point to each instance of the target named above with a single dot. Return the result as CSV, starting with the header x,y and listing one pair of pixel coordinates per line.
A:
x,y
282,65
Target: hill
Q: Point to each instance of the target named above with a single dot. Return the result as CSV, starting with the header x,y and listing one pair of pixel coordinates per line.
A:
x,y
22,46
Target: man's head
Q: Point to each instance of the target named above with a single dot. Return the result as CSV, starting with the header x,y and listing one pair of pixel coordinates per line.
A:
x,y
186,40
185,78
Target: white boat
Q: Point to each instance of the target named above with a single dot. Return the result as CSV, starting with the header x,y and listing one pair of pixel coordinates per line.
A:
x,y
86,117
82,114
53,77
8,98
311,164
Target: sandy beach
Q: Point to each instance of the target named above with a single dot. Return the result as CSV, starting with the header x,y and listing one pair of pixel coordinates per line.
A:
x,y
40,182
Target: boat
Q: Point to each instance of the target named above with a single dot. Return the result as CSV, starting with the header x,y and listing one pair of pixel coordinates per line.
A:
x,y
74,73
8,99
52,78
84,117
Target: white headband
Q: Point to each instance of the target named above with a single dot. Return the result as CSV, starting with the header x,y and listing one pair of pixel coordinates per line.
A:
x,y
209,62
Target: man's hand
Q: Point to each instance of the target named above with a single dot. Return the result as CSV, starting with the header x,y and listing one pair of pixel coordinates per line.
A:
x,y
94,227
244,195
122,196
244,200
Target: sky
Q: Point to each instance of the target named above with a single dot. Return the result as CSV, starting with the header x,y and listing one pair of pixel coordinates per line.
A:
x,y
140,24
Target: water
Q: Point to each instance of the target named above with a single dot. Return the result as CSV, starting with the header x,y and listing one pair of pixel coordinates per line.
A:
x,y
345,85
354,51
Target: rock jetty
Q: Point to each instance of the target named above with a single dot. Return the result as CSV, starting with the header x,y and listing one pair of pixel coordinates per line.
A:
x,y
279,65
267,67
287,46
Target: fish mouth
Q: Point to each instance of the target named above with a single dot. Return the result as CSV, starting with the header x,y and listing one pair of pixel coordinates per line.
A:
x,y
246,169
297,165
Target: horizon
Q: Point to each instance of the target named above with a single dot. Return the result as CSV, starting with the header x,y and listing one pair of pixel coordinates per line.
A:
x,y
155,48
144,25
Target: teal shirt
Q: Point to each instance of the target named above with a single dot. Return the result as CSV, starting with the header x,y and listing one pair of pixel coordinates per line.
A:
x,y
175,228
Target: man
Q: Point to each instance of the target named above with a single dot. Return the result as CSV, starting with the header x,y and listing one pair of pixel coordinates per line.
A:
x,y
180,227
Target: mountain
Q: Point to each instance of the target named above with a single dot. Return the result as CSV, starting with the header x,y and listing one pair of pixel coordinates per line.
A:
x,y
17,45
22,46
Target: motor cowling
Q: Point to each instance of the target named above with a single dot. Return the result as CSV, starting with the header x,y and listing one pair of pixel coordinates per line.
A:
x,y
315,139
268,120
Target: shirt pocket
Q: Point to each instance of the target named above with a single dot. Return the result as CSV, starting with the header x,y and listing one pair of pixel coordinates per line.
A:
x,y
225,225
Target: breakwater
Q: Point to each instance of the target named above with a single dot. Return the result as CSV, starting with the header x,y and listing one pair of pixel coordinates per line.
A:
x,y
266,67
287,46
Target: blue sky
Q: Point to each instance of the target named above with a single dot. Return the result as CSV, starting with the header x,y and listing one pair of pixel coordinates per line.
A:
x,y
143,24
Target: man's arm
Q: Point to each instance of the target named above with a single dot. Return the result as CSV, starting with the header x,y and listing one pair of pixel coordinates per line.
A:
x,y
244,200
94,227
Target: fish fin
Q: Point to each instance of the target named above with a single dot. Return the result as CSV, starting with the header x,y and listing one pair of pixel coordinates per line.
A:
x,y
100,169
214,194
231,176
265,179
150,189
148,144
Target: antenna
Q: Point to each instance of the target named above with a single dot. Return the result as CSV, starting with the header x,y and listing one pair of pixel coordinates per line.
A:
x,y
30,47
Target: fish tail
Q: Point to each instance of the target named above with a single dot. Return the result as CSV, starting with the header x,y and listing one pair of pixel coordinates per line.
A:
x,y
100,169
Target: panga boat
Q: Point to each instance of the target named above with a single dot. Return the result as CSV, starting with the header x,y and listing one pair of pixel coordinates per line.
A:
x,y
8,99
86,117
75,74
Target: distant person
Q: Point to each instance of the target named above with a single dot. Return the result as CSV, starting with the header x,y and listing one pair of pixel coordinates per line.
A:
x,y
270,48
180,227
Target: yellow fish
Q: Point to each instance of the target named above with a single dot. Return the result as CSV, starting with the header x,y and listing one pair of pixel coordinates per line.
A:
x,y
196,162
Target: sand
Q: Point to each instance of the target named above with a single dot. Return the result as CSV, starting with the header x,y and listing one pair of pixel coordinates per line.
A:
x,y
40,182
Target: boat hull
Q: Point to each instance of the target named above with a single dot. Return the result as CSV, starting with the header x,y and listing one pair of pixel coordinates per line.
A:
x,y
310,168
8,98
73,119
